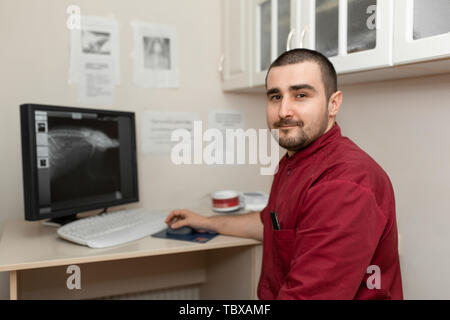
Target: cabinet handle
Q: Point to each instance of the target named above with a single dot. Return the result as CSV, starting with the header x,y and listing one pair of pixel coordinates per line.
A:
x,y
289,40
303,34
220,68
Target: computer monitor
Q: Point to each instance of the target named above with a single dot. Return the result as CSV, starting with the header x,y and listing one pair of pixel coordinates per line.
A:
x,y
75,160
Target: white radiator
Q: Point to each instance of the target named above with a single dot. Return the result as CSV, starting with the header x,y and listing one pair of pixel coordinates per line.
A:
x,y
180,293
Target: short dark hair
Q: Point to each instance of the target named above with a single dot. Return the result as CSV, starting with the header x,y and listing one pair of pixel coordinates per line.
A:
x,y
327,69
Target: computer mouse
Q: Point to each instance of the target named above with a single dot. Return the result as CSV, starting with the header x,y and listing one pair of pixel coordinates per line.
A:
x,y
179,231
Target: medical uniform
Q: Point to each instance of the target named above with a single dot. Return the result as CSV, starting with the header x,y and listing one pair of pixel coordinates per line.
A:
x,y
338,236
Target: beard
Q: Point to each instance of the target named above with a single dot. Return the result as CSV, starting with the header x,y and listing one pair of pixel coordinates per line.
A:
x,y
298,137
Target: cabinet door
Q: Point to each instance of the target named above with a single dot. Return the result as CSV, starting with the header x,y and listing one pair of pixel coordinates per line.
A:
x,y
274,31
235,62
422,30
355,34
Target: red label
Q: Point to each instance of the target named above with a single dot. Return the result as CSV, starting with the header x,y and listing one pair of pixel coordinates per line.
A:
x,y
225,203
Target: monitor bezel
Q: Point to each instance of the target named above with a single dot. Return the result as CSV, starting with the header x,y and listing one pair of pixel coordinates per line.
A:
x,y
29,162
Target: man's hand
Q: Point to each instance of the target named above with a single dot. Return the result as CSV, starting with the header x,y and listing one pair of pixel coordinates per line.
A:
x,y
241,225
182,217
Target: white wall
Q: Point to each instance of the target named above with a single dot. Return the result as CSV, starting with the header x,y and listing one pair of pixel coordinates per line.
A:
x,y
404,126
34,64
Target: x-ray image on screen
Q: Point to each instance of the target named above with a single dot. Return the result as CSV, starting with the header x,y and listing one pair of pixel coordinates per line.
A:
x,y
84,158
76,160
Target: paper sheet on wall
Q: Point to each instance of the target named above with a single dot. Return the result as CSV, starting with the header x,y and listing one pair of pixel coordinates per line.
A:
x,y
98,41
96,82
155,56
226,119
157,128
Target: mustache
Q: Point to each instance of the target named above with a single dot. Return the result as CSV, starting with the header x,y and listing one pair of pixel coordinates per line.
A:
x,y
288,122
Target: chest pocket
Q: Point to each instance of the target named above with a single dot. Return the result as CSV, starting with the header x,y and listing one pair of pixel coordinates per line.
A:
x,y
284,250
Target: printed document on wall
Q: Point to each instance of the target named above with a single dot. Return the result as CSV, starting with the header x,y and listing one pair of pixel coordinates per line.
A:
x,y
97,41
155,56
223,119
157,129
96,82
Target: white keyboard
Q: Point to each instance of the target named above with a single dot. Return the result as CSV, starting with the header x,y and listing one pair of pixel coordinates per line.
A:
x,y
114,228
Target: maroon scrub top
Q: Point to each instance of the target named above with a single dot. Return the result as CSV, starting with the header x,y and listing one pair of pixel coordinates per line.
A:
x,y
336,210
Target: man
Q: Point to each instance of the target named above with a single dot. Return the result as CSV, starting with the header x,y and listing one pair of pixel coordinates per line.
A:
x,y
334,204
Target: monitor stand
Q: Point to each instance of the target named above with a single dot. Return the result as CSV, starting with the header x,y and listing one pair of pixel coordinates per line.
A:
x,y
60,221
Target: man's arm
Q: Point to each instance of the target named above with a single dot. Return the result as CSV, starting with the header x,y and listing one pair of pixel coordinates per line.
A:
x,y
246,225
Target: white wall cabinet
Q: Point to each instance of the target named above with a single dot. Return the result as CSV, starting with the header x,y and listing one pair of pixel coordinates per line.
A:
x,y
273,31
355,34
364,39
234,65
422,30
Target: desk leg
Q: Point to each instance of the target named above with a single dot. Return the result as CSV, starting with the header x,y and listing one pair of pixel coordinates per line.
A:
x,y
13,287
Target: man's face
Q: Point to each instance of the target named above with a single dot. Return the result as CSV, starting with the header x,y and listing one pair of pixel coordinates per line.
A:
x,y
297,104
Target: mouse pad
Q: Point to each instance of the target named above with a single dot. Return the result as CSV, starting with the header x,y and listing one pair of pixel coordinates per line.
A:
x,y
193,237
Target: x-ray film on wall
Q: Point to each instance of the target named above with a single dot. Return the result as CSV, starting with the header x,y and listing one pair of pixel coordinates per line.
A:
x,y
156,53
155,56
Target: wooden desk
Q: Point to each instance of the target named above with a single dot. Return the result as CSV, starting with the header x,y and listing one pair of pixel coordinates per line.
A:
x,y
37,260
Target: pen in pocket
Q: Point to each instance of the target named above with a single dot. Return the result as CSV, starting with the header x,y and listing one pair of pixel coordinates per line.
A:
x,y
275,223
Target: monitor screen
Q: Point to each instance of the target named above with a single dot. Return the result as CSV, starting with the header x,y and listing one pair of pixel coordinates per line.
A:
x,y
76,160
